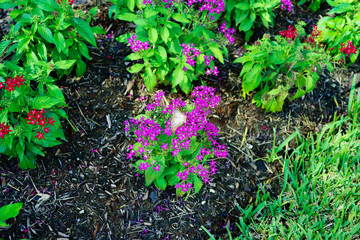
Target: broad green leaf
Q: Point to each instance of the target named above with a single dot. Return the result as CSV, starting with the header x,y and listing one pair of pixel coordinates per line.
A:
x,y
160,183
133,56
243,6
164,33
149,79
252,79
180,18
47,5
84,50
84,30
3,46
218,54
98,30
42,51
344,7
185,85
149,12
129,17
246,68
46,33
44,102
35,149
64,64
153,35
9,211
136,68
197,184
80,68
177,76
162,53
55,92
59,41
130,4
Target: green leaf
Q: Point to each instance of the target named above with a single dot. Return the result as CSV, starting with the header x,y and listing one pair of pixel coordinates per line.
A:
x,y
149,79
55,92
35,149
252,79
64,64
46,33
84,30
344,7
44,102
9,211
164,33
133,56
59,41
180,18
153,35
98,30
177,76
246,68
136,68
80,68
129,17
243,6
197,184
4,45
47,5
130,4
149,12
275,91
84,50
218,54
160,183
162,53
42,51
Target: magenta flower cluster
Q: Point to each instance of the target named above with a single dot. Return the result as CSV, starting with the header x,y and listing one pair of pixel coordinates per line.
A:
x,y
136,45
286,4
147,1
191,53
228,32
172,141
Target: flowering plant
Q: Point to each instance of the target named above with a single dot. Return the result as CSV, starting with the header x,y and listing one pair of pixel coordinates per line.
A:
x,y
29,113
314,4
282,69
341,26
47,30
176,142
174,44
245,12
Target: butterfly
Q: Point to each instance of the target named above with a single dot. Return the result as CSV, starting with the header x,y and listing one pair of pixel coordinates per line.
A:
x,y
178,119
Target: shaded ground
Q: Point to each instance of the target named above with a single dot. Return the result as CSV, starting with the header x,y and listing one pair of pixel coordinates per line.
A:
x,y
86,189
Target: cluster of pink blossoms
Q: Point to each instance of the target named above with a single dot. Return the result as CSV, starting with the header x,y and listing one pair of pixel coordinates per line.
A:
x,y
148,132
290,33
191,53
349,49
12,83
228,32
147,1
136,45
286,4
213,6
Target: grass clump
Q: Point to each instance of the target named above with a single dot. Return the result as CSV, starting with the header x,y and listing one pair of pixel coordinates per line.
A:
x,y
320,197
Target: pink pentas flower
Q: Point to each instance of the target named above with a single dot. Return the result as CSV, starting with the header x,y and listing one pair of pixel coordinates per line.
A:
x,y
228,32
157,168
143,166
136,45
164,146
286,4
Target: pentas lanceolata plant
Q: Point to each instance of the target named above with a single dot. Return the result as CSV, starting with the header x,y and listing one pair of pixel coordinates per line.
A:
x,y
176,143
284,68
173,42
29,118
341,25
348,50
49,30
246,13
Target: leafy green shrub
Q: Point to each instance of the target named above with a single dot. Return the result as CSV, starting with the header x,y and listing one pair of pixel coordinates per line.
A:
x,y
175,43
246,13
30,111
175,147
47,30
279,67
343,27
124,9
314,4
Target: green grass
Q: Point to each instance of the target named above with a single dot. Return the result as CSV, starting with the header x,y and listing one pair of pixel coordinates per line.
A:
x,y
320,197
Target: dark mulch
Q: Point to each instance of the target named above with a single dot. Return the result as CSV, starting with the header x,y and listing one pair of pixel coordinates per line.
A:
x,y
86,189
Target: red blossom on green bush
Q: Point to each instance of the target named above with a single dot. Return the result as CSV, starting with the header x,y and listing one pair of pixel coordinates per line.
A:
x,y
4,130
349,49
290,33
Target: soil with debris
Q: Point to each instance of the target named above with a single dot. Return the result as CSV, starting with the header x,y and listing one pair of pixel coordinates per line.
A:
x,y
86,189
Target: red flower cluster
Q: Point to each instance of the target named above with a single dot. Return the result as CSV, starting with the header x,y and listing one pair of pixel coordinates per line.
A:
x,y
36,117
4,130
71,2
290,33
18,81
315,33
350,48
